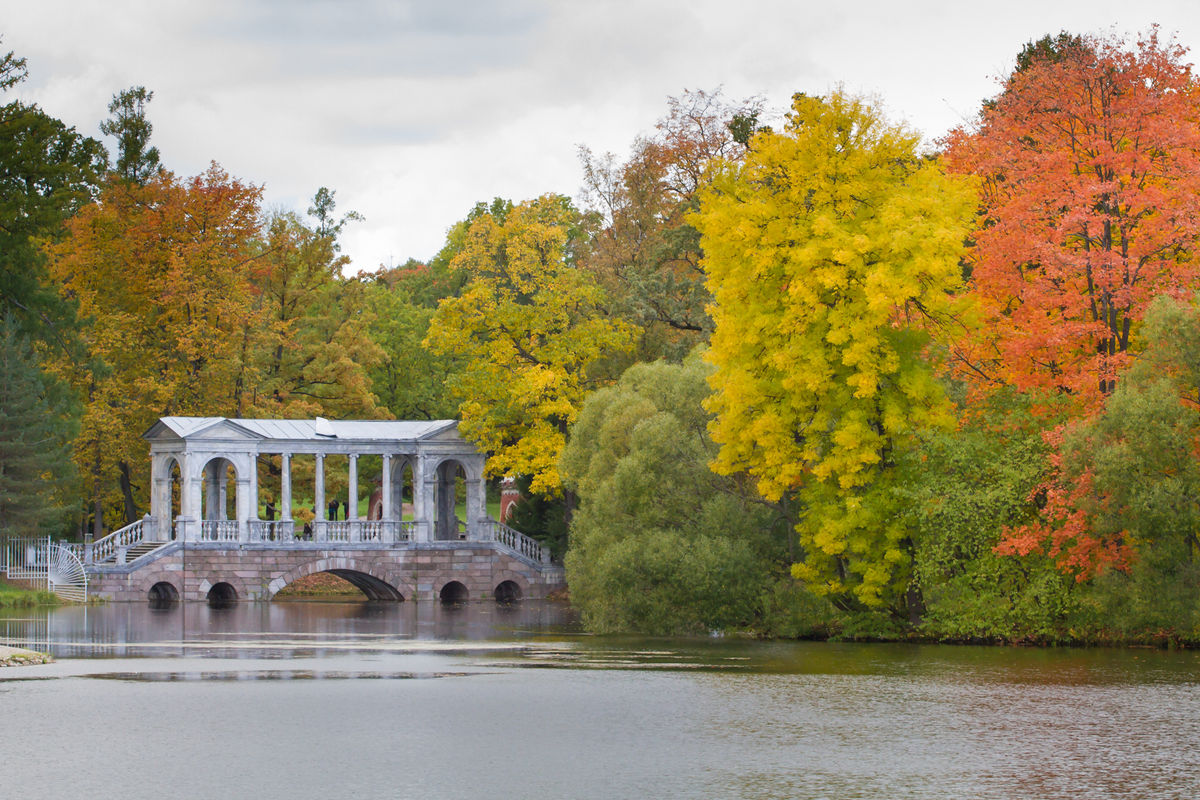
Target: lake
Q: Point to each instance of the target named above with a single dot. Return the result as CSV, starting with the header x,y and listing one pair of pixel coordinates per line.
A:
x,y
330,700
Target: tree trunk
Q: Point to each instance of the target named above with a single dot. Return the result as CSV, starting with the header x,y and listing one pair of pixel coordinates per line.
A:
x,y
131,514
98,502
914,600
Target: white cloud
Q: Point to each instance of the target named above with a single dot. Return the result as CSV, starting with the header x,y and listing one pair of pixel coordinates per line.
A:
x,y
413,111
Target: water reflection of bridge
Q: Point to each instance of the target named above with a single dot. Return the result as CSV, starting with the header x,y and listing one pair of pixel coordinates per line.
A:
x,y
205,536
268,630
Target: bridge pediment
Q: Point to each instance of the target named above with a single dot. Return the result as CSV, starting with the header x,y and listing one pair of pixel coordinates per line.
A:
x,y
449,433
170,429
225,430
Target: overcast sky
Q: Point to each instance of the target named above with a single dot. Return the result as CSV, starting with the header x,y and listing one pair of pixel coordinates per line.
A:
x,y
412,110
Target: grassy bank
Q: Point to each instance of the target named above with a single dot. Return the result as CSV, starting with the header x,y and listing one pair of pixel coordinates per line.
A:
x,y
17,597
321,585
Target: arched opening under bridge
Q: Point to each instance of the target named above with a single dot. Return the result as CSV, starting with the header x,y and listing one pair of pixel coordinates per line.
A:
x,y
507,592
454,592
163,594
222,595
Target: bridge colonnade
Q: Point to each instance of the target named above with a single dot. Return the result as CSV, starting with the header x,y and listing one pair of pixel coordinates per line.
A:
x,y
199,453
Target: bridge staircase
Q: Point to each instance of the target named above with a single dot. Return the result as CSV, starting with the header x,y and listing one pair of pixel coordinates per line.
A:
x,y
124,546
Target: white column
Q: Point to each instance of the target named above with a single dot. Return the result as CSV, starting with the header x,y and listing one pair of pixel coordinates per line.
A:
x,y
222,473
212,493
352,489
253,478
243,511
447,524
319,487
476,502
190,503
422,503
285,486
385,487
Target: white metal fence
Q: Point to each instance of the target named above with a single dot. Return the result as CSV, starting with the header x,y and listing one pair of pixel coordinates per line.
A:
x,y
26,559
44,565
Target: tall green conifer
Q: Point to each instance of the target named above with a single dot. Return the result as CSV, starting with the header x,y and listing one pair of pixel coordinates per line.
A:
x,y
35,459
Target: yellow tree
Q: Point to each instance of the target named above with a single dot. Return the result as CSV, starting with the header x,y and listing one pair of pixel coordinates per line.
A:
x,y
532,334
832,251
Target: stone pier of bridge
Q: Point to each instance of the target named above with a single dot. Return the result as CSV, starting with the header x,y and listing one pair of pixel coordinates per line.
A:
x,y
472,570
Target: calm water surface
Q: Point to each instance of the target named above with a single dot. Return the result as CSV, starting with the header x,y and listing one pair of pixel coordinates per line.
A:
x,y
324,700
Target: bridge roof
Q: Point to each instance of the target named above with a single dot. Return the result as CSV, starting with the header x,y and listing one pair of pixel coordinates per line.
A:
x,y
317,430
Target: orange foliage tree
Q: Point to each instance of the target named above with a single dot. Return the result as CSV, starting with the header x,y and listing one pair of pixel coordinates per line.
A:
x,y
1089,162
1090,167
158,273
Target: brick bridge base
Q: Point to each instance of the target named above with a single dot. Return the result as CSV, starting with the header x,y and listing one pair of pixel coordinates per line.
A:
x,y
383,572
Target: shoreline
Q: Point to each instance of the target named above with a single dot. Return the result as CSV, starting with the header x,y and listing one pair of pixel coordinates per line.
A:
x,y
19,657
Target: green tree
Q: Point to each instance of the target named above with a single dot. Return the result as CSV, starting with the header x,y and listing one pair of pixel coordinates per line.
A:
x,y
660,544
35,442
832,252
47,172
328,225
409,379
959,490
1134,482
309,347
137,161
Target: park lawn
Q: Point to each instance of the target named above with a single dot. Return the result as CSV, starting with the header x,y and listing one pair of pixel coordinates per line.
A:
x,y
16,597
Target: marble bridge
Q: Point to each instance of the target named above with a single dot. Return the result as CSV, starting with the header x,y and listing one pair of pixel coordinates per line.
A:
x,y
205,538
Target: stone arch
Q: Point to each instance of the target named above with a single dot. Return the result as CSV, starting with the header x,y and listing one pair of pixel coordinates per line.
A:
x,y
222,594
454,591
508,591
373,582
145,582
472,466
163,594
400,463
213,482
212,579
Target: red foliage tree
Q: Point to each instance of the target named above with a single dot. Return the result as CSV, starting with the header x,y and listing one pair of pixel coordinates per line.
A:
x,y
1089,168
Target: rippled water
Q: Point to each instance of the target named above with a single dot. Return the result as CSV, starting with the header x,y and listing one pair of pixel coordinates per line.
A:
x,y
321,700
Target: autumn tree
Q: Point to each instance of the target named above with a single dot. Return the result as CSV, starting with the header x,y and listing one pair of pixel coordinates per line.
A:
x,y
1124,494
1089,165
832,253
647,254
532,332
312,351
159,271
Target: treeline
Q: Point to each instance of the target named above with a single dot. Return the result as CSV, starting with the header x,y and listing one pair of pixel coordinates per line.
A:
x,y
806,378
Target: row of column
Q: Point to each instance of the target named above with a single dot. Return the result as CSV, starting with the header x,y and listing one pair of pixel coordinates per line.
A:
x,y
285,487
433,492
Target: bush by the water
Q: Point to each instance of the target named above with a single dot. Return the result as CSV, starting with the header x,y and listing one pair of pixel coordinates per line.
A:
x,y
659,543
